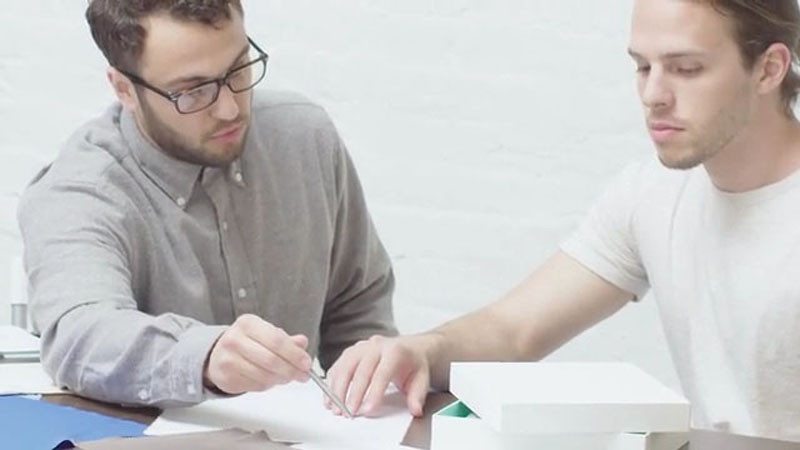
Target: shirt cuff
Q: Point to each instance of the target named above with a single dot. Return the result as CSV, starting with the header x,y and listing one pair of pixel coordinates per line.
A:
x,y
191,353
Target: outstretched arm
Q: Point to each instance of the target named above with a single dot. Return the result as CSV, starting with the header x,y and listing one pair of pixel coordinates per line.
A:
x,y
554,304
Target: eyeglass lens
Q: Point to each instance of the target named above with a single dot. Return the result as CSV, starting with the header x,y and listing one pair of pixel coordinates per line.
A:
x,y
238,81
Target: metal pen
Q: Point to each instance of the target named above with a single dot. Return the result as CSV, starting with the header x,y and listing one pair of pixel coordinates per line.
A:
x,y
329,393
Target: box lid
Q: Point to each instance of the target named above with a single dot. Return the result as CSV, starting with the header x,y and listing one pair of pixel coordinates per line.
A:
x,y
556,397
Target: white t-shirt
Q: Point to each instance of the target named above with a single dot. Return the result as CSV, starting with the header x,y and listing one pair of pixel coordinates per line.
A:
x,y
725,272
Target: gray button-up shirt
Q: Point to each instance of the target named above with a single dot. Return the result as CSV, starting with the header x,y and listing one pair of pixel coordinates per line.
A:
x,y
138,261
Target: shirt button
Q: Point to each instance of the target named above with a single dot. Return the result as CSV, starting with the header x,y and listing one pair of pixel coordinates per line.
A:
x,y
238,177
190,389
142,395
224,226
242,292
181,202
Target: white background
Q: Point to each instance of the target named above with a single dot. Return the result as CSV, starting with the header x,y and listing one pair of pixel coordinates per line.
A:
x,y
482,131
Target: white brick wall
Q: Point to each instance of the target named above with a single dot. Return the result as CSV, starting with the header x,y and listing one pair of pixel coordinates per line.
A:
x,y
482,130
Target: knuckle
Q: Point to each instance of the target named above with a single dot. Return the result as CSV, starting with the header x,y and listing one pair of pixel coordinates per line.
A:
x,y
225,364
247,322
232,344
225,340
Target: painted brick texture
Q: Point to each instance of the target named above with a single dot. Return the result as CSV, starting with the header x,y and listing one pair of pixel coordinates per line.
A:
x,y
482,130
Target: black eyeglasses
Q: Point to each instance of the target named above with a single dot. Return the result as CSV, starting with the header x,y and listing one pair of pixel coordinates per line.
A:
x,y
200,97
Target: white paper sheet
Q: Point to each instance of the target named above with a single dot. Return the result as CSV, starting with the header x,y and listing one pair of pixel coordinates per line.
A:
x,y
14,339
26,378
290,413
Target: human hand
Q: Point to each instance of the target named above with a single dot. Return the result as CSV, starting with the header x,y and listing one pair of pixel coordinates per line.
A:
x,y
254,355
363,372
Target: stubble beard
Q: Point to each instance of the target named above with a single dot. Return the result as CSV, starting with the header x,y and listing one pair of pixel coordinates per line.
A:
x,y
178,147
724,128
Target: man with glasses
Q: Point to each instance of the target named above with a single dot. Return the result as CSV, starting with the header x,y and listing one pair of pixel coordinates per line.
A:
x,y
200,237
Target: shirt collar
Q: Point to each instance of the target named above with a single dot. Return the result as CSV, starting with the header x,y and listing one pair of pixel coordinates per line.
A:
x,y
233,172
175,177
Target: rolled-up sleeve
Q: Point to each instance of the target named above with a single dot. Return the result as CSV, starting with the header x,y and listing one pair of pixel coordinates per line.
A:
x,y
79,246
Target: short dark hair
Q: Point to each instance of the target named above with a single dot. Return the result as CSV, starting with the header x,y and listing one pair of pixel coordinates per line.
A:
x,y
761,23
116,25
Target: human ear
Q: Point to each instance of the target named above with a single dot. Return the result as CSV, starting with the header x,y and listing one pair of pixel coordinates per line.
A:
x,y
123,88
772,67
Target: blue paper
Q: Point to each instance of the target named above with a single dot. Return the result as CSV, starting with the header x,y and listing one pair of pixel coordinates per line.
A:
x,y
34,424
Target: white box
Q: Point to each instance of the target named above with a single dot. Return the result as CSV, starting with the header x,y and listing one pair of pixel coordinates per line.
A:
x,y
455,427
554,398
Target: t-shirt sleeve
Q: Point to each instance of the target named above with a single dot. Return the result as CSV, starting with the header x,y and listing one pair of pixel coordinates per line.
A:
x,y
605,243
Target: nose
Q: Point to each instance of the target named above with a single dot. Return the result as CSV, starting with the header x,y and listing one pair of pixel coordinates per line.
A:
x,y
226,108
654,90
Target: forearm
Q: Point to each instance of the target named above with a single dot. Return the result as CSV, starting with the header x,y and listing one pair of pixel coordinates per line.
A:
x,y
554,304
477,336
126,356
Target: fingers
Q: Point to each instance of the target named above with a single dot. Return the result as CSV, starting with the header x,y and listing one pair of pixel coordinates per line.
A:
x,y
363,373
234,376
266,363
416,391
341,374
290,358
381,378
255,355
360,381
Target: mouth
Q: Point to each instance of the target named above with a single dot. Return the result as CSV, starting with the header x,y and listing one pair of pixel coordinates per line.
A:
x,y
664,131
229,133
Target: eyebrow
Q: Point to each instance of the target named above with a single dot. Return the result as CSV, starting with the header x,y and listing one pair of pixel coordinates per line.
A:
x,y
670,55
201,78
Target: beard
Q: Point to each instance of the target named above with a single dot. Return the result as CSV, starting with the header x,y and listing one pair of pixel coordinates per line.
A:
x,y
719,132
179,147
